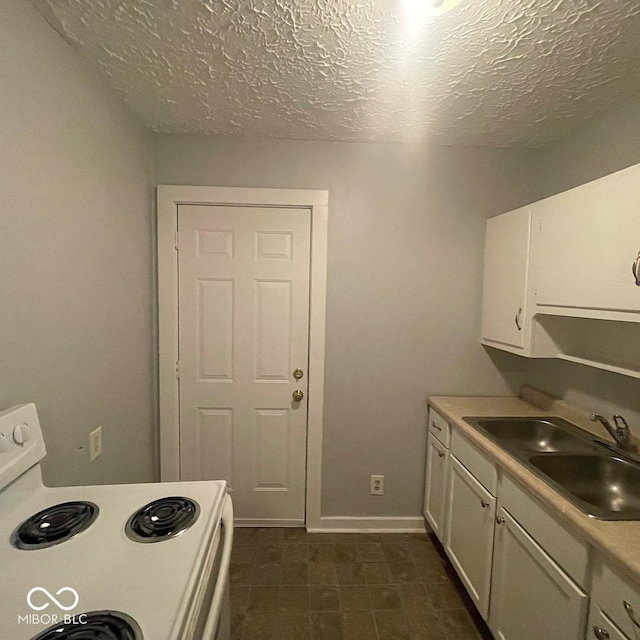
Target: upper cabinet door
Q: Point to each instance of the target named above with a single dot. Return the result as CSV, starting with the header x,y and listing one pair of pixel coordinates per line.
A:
x,y
587,242
506,267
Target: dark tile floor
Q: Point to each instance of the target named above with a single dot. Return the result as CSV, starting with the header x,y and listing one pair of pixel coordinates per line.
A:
x,y
287,584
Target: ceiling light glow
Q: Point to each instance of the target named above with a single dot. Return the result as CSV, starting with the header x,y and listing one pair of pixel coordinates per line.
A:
x,y
426,8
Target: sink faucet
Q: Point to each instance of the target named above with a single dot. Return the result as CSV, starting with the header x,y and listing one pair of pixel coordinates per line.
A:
x,y
619,432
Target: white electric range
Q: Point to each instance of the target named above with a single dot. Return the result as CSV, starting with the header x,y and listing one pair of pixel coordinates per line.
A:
x,y
116,562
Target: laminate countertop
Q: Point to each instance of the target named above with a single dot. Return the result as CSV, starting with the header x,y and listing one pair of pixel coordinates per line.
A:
x,y
617,541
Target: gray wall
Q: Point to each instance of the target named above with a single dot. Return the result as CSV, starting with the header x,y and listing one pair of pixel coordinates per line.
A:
x,y
403,294
75,256
607,144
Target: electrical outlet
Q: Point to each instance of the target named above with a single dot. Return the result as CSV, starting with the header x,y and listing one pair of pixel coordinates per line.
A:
x,y
377,486
95,444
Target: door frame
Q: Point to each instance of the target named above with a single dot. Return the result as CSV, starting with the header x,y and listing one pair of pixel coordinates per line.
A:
x,y
169,197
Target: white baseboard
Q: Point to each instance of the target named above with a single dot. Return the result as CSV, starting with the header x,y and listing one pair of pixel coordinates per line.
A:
x,y
343,524
266,522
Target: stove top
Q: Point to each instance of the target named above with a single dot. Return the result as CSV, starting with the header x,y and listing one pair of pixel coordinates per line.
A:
x,y
162,519
65,551
96,625
54,525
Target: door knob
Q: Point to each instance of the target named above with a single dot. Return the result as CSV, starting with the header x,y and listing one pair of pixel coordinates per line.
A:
x,y
298,395
298,373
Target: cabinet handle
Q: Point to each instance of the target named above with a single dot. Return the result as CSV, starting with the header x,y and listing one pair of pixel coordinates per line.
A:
x,y
601,634
632,616
435,426
440,454
499,519
518,317
635,269
484,504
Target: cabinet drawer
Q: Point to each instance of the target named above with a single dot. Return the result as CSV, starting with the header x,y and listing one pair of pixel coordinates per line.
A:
x,y
611,591
475,461
600,627
439,427
569,552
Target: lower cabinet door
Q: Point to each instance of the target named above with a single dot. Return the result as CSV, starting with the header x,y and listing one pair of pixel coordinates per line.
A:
x,y
435,488
600,627
469,532
531,597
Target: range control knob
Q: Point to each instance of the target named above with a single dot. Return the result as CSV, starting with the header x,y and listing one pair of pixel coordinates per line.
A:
x,y
21,434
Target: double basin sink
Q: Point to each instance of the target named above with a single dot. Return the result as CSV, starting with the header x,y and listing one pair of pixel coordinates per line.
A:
x,y
593,475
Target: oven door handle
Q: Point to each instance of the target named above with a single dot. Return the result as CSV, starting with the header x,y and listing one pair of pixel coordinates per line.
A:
x,y
211,628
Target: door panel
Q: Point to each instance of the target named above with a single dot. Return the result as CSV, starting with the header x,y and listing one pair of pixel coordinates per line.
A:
x,y
243,291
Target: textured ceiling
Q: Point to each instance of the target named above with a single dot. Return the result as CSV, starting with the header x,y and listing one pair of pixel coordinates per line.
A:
x,y
489,72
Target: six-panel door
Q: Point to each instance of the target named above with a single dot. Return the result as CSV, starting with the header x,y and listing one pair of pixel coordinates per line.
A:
x,y
243,331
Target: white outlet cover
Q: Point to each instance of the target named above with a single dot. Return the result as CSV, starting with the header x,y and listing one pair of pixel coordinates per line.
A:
x,y
95,444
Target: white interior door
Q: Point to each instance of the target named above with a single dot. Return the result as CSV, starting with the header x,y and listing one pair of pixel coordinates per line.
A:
x,y
243,316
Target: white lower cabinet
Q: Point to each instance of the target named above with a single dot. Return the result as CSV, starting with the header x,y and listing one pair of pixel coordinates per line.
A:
x,y
618,598
600,627
469,534
436,485
532,598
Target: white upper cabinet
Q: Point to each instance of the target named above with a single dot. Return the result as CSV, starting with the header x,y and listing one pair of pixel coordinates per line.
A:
x,y
562,276
587,242
506,268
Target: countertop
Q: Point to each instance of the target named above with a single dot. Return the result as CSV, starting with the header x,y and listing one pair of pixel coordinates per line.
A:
x,y
618,541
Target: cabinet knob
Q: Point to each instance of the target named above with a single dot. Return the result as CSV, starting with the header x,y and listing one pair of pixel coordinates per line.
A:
x,y
484,504
630,612
499,519
518,317
440,454
601,634
635,269
435,426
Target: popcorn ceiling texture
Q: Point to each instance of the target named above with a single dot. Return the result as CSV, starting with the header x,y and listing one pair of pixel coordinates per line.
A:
x,y
491,72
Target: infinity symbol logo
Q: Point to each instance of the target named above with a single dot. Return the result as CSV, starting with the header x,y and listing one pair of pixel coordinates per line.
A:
x,y
53,599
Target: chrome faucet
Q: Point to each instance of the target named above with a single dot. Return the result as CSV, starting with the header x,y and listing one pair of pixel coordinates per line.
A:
x,y
619,432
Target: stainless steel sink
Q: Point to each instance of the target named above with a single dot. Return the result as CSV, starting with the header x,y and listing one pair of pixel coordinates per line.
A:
x,y
608,486
543,435
593,475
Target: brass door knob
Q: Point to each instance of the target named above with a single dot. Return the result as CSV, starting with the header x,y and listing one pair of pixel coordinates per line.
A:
x,y
298,395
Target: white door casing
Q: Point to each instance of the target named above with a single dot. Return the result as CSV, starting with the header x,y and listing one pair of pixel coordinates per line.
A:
x,y
243,299
270,292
